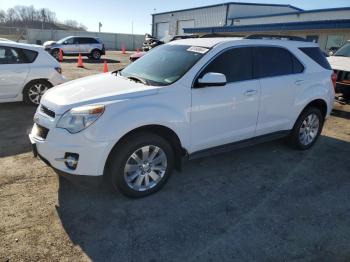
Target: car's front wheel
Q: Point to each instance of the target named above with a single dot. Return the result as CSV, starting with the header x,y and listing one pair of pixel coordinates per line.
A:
x,y
33,91
307,128
141,164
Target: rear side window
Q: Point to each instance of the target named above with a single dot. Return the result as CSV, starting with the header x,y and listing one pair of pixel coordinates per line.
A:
x,y
316,54
29,55
235,64
275,61
87,40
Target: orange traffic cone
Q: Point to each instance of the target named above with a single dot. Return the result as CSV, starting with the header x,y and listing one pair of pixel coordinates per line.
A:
x,y
123,49
138,50
80,61
60,55
105,67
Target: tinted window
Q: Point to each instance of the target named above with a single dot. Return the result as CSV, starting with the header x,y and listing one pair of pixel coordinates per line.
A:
x,y
316,54
235,64
272,61
29,55
9,55
297,66
87,40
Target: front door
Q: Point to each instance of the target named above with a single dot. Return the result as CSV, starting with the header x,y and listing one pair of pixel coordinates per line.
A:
x,y
224,114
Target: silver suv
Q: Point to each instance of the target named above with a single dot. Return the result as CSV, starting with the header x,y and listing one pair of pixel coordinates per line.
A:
x,y
91,47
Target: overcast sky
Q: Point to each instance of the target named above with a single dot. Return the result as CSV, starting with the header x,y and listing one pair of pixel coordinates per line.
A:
x,y
117,15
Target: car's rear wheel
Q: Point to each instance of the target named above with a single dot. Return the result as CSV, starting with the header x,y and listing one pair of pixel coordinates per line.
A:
x,y
33,91
141,165
307,129
95,54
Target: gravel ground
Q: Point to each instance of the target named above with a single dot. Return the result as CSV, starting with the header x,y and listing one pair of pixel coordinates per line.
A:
x,y
262,203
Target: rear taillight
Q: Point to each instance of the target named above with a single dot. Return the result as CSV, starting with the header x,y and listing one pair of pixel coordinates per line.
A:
x,y
334,79
58,69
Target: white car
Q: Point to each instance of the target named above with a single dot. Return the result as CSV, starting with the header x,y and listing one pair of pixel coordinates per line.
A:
x,y
340,63
26,72
189,98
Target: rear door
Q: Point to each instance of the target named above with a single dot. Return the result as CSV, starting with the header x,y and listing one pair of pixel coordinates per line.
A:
x,y
13,72
281,75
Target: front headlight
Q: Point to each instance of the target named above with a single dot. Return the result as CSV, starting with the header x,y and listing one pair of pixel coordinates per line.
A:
x,y
79,118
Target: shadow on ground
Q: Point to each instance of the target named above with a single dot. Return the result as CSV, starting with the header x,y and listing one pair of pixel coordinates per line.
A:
x,y
16,121
263,203
90,61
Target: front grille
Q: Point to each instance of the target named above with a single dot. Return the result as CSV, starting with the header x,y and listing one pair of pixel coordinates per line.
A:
x,y
41,131
47,111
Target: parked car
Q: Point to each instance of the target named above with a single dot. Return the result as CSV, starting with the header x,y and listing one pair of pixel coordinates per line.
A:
x,y
92,47
185,99
340,63
136,56
26,72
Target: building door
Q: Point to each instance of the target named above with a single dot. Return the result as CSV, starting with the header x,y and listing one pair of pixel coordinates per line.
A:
x,y
181,24
162,30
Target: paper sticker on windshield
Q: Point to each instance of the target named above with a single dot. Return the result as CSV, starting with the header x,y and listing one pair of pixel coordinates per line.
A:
x,y
198,49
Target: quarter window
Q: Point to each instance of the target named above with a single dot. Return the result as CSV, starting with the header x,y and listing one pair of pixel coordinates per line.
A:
x,y
235,64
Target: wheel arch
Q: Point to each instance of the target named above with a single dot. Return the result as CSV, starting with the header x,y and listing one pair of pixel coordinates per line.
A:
x,y
161,130
320,104
36,80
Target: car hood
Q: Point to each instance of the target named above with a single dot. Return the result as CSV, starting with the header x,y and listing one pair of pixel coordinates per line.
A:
x,y
99,88
49,43
340,63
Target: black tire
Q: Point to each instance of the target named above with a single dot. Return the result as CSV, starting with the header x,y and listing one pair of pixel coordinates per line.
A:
x,y
96,54
28,97
56,54
294,139
121,154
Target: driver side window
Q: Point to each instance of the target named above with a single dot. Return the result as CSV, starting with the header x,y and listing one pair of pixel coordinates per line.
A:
x,y
236,64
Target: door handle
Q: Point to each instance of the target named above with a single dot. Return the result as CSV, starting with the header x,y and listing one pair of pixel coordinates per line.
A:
x,y
250,92
299,82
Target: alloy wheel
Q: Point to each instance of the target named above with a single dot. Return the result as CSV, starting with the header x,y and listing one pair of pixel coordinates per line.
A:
x,y
36,91
145,168
309,129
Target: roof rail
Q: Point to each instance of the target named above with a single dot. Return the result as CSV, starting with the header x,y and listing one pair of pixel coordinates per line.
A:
x,y
214,35
276,37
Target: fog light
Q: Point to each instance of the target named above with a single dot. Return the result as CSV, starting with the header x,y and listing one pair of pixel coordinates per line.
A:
x,y
70,160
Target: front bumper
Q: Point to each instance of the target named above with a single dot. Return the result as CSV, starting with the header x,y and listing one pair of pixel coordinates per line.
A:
x,y
59,142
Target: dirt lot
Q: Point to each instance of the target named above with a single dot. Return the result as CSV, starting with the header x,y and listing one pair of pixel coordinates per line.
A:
x,y
263,203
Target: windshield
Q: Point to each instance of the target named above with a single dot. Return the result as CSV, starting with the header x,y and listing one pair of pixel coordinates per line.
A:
x,y
344,50
62,40
164,64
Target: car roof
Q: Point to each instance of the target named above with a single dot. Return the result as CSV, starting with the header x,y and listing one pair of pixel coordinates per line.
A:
x,y
21,45
211,42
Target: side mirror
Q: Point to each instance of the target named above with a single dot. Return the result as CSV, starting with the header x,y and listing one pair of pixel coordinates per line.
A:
x,y
211,79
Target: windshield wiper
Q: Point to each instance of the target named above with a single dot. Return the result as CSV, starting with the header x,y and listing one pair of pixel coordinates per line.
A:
x,y
138,79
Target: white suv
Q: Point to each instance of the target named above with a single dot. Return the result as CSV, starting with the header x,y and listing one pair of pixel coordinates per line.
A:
x,y
189,98
26,72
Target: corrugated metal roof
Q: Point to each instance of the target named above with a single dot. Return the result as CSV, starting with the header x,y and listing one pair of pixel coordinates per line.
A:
x,y
326,24
228,3
295,13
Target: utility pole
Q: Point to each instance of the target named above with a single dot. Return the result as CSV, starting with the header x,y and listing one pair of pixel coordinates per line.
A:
x,y
132,34
99,26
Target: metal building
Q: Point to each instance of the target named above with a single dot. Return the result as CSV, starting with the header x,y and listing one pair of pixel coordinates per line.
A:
x,y
173,23
328,27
